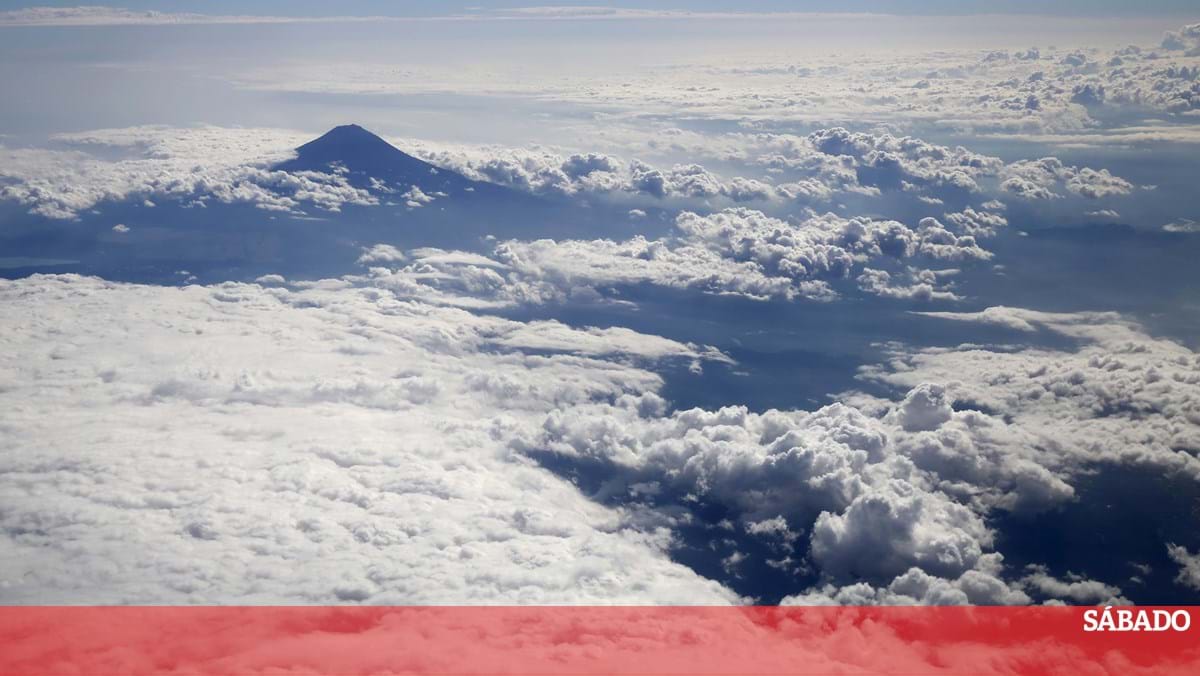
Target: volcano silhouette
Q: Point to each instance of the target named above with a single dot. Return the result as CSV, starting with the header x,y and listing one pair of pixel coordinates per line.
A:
x,y
362,156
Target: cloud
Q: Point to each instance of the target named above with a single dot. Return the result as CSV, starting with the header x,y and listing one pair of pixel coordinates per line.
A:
x,y
1104,93
593,174
1075,589
735,251
313,443
1185,225
916,587
113,16
914,285
895,527
1187,38
440,410
381,253
834,473
813,170
1120,397
1036,179
894,494
925,407
416,198
30,17
1189,566
193,165
198,166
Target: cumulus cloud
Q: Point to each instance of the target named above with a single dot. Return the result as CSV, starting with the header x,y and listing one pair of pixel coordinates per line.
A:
x,y
594,174
892,495
195,165
831,473
735,251
1189,566
925,407
916,587
1075,589
415,198
1187,38
1036,179
844,477
381,253
1121,397
891,529
810,169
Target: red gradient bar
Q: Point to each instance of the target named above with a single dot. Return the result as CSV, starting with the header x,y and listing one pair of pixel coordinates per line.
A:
x,y
580,640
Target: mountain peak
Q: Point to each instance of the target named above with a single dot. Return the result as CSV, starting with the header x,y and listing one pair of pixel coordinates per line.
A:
x,y
358,151
367,161
343,142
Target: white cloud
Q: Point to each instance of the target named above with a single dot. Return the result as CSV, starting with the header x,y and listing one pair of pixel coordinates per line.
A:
x,y
1187,38
1189,566
439,409
1099,95
925,407
922,285
113,16
1075,589
196,164
1036,179
211,164
30,17
832,473
808,170
916,587
735,251
1121,397
895,527
1182,225
894,495
323,444
416,198
592,174
382,253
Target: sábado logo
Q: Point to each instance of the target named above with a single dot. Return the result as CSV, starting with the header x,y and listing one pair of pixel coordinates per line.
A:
x,y
1124,619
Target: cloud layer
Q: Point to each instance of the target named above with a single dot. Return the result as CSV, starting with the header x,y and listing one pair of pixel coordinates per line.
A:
x,y
332,441
319,445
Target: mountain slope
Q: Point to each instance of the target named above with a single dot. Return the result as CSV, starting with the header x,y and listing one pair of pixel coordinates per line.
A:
x,y
362,156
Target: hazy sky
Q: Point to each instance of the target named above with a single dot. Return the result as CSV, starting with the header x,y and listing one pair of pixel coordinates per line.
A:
x,y
422,8
311,75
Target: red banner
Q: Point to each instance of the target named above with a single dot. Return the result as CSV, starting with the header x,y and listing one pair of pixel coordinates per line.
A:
x,y
597,640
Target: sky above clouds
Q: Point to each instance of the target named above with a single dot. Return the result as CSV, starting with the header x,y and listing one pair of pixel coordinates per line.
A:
x,y
310,8
825,303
